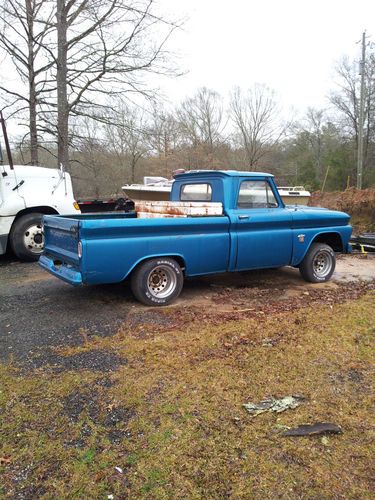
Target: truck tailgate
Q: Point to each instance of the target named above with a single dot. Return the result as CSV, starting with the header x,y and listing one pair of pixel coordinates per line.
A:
x,y
61,237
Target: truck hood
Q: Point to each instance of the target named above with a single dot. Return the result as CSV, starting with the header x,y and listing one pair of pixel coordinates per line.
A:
x,y
304,216
31,171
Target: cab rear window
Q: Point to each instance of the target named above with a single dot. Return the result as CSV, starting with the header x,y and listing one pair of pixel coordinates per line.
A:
x,y
196,192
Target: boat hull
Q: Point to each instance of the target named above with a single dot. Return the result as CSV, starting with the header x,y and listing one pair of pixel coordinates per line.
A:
x,y
144,194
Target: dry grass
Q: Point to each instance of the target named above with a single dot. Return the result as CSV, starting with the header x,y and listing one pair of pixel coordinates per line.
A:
x,y
359,203
172,418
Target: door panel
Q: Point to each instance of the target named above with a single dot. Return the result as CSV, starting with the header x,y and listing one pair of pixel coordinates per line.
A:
x,y
264,229
264,238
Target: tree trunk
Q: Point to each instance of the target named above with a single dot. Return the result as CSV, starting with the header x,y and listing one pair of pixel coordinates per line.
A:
x,y
132,166
61,77
32,88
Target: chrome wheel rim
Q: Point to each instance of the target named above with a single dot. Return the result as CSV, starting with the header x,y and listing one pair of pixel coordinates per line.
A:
x,y
161,282
322,264
33,238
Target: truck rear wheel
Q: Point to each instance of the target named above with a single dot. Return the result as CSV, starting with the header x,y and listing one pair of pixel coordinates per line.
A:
x,y
27,238
157,282
319,263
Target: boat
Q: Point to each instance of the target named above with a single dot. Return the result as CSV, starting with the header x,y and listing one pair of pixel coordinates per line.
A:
x,y
152,189
159,188
295,195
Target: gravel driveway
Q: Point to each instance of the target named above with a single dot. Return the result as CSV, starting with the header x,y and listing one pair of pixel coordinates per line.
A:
x,y
38,311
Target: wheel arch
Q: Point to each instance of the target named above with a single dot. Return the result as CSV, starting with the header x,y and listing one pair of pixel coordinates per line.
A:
x,y
331,238
177,257
43,209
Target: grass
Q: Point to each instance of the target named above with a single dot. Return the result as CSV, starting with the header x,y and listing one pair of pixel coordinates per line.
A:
x,y
172,418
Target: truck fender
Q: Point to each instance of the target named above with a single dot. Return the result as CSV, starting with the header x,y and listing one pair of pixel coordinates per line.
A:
x,y
331,238
178,257
46,210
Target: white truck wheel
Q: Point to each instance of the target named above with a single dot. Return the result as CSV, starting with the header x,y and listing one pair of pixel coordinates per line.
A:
x,y
27,238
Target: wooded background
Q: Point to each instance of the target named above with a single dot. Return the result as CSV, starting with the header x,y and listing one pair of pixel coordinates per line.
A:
x,y
82,97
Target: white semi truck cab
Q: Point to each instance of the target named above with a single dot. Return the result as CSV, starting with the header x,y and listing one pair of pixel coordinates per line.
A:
x,y
26,194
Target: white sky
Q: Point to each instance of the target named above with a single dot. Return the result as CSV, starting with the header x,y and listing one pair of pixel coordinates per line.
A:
x,y
291,46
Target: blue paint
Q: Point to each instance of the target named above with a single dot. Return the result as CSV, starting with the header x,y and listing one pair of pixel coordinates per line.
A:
x,y
242,238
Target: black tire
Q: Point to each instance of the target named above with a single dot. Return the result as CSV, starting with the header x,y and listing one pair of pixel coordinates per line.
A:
x,y
167,284
26,237
319,263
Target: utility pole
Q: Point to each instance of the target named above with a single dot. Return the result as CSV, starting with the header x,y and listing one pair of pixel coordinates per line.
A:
x,y
361,114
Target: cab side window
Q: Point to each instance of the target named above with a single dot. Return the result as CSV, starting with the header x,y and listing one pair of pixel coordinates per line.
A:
x,y
256,194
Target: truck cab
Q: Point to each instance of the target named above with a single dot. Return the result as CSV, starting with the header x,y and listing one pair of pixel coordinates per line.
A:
x,y
255,209
266,232
26,194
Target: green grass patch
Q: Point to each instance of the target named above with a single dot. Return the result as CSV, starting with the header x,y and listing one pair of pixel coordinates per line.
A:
x,y
172,418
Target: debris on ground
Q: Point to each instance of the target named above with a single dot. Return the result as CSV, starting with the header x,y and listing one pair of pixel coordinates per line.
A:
x,y
273,404
314,429
267,304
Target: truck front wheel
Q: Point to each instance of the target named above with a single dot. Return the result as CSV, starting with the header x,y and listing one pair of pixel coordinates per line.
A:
x,y
27,238
319,263
157,282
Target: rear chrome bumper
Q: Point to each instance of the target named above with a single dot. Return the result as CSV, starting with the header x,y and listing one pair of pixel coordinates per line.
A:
x,y
63,271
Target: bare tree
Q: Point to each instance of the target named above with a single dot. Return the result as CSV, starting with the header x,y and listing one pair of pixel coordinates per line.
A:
x,y
104,48
201,124
313,129
346,101
164,137
91,153
127,137
255,115
22,37
94,49
201,118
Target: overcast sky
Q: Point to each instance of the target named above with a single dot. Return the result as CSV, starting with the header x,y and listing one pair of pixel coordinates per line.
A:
x,y
290,45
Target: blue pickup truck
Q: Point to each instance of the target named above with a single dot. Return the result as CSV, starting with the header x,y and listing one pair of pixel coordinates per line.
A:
x,y
254,230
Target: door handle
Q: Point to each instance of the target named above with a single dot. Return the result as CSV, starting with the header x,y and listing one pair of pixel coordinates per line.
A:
x,y
243,217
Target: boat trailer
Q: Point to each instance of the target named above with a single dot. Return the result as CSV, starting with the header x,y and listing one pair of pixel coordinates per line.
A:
x,y
365,243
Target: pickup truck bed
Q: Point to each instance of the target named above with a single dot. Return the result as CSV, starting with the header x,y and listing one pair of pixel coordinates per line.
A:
x,y
193,240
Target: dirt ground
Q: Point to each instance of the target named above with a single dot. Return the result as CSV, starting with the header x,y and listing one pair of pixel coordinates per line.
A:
x,y
39,312
101,397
